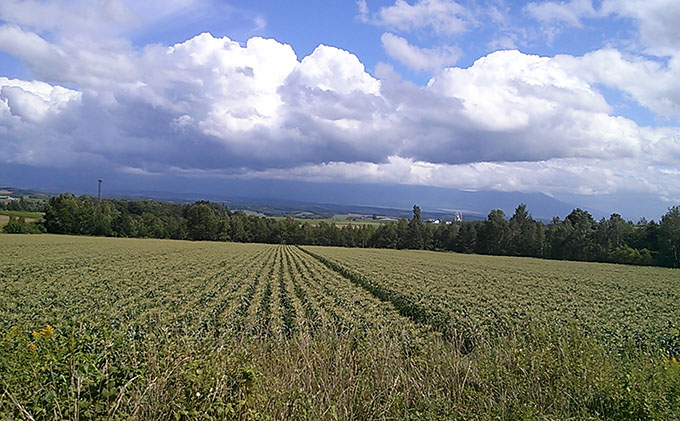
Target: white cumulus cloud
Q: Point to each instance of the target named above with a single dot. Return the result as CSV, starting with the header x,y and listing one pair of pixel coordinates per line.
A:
x,y
651,83
33,101
444,17
569,13
418,59
656,20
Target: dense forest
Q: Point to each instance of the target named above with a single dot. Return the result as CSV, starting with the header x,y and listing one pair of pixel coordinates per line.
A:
x,y
576,237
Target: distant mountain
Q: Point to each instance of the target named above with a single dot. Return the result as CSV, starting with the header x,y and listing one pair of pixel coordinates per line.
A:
x,y
288,197
433,199
348,197
18,193
394,196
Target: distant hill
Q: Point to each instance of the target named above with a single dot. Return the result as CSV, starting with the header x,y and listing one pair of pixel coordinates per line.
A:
x,y
394,196
432,199
19,193
279,207
283,197
371,198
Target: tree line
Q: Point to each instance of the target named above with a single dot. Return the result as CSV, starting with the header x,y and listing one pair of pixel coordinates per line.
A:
x,y
576,237
24,204
18,224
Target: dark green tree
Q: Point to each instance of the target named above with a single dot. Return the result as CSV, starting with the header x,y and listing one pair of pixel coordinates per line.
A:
x,y
18,225
444,237
466,239
415,235
669,238
494,234
526,235
202,222
401,229
385,236
579,244
62,215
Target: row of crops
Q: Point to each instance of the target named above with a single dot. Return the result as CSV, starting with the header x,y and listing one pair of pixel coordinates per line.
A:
x,y
479,297
191,289
94,328
147,286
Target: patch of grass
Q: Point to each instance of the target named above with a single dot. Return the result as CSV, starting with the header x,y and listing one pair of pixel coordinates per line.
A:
x,y
338,220
25,214
77,371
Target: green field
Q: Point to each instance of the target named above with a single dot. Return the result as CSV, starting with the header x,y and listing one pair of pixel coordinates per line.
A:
x,y
25,214
338,220
478,296
94,328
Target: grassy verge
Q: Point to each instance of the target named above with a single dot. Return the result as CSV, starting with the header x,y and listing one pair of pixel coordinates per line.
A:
x,y
74,372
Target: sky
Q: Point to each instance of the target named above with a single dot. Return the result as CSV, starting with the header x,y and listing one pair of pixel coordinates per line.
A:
x,y
577,99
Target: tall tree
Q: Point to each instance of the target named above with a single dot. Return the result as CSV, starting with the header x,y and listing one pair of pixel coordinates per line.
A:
x,y
526,236
669,238
202,223
62,215
385,236
494,234
415,238
579,244
466,239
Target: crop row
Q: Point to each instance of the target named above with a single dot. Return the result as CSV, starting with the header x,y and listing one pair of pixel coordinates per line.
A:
x,y
482,296
156,289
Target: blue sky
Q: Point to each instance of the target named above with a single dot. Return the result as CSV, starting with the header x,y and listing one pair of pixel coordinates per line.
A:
x,y
575,99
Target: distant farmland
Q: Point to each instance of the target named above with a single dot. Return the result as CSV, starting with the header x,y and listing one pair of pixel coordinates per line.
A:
x,y
339,220
28,216
159,329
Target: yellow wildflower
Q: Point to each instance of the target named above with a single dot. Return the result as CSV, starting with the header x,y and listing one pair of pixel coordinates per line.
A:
x,y
32,347
672,361
35,334
47,330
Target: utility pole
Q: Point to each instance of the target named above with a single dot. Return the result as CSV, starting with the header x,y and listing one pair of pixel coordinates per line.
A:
x,y
99,190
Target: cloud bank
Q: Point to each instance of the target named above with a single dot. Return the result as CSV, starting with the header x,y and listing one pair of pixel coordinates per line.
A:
x,y
214,107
